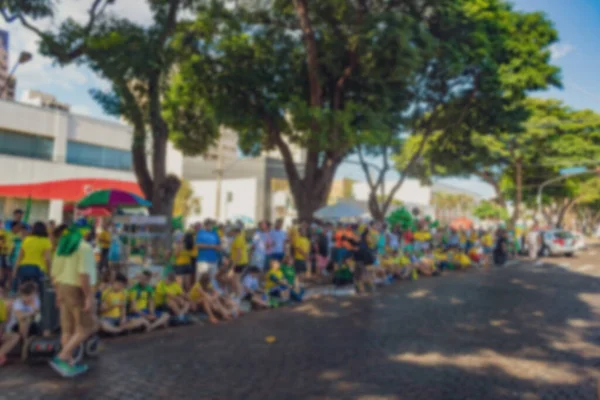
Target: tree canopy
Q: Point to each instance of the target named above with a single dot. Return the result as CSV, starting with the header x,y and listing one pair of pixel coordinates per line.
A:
x,y
515,163
333,74
138,61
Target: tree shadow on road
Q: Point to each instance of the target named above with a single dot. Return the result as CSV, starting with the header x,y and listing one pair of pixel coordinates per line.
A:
x,y
523,332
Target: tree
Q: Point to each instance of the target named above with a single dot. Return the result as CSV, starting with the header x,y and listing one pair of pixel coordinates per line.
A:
x,y
138,62
488,210
511,60
185,202
516,162
326,74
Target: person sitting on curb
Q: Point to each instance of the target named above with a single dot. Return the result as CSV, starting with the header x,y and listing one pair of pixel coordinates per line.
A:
x,y
275,282
170,297
252,291
113,309
212,298
141,303
23,313
289,272
8,340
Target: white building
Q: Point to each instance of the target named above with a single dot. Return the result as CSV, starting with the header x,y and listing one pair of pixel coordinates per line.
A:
x,y
44,100
56,158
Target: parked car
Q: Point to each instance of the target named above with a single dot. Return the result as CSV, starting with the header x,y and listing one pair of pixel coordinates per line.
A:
x,y
579,241
556,242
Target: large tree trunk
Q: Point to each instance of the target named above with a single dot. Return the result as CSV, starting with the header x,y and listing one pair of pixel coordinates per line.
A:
x,y
377,213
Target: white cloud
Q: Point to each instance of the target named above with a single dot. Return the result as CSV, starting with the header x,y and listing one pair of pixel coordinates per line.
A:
x,y
561,50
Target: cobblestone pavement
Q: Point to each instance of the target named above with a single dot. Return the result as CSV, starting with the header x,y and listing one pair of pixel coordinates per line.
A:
x,y
520,332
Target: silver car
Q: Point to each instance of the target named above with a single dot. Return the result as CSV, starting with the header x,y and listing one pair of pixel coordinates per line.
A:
x,y
557,242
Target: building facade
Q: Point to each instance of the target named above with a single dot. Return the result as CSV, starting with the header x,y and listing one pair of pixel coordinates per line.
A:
x,y
44,100
7,84
55,158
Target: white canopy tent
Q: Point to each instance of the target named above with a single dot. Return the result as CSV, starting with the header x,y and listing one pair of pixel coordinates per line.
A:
x,y
341,210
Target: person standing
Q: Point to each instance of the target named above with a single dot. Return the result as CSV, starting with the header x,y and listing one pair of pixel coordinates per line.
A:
x,y
501,249
533,239
104,241
33,261
278,239
208,243
260,247
74,277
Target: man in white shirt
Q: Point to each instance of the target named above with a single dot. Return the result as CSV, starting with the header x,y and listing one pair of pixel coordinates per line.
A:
x,y
261,245
533,241
278,239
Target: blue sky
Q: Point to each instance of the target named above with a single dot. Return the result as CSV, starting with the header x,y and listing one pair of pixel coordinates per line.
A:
x,y
578,54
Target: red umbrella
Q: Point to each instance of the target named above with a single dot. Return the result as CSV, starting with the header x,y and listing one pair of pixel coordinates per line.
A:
x,y
461,223
94,212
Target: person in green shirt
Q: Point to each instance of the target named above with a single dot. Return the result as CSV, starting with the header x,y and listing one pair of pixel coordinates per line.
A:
x,y
141,303
73,274
289,273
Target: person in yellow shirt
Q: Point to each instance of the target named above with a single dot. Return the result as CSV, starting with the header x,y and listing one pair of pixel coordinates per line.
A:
x,y
8,340
6,248
33,261
104,240
170,297
185,260
239,250
275,282
301,245
141,303
113,309
203,297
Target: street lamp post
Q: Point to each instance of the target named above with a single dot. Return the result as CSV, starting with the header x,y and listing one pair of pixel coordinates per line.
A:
x,y
554,180
24,57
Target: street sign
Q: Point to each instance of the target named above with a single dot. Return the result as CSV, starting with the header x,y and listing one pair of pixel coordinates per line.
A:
x,y
573,170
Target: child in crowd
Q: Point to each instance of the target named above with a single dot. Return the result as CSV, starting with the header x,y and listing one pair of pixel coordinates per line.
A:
x,y
276,284
252,290
141,303
170,297
290,276
20,322
8,340
185,255
343,274
113,309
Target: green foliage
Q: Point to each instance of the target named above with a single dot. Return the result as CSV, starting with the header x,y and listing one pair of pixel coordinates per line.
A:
x,y
402,218
358,73
487,210
551,138
138,61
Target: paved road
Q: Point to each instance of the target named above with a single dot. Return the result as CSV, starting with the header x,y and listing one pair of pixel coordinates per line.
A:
x,y
521,332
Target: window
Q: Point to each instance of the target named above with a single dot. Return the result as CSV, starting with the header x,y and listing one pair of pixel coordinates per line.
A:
x,y
24,145
98,156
